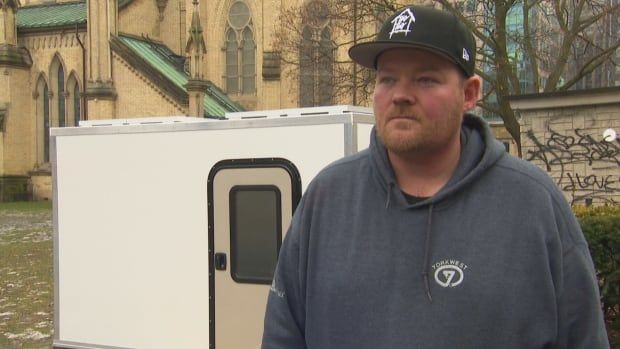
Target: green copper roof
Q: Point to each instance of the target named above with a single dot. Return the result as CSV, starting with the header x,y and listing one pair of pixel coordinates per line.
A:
x,y
123,3
55,15
160,57
51,15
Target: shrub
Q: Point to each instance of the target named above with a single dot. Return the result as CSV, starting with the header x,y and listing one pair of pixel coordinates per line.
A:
x,y
601,227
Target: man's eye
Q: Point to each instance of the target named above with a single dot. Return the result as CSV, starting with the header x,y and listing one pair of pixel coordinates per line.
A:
x,y
386,80
426,81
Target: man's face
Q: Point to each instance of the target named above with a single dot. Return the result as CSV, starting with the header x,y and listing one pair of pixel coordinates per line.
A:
x,y
419,101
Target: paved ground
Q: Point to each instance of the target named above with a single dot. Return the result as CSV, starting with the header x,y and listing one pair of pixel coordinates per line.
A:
x,y
26,279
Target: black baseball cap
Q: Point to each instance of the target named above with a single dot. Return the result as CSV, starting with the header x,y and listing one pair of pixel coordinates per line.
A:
x,y
427,28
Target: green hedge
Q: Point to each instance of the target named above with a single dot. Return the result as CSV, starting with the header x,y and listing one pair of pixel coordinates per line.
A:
x,y
601,227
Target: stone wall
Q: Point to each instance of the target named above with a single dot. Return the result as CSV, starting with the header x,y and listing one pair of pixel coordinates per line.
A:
x,y
138,96
563,134
14,188
41,186
500,132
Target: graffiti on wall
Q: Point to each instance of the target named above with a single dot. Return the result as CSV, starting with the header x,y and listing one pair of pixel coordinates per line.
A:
x,y
561,152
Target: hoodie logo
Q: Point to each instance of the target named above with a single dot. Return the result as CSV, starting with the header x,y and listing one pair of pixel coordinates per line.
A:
x,y
449,272
402,23
275,290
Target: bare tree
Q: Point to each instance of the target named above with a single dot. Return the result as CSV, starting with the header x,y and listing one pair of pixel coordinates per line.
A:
x,y
524,46
350,22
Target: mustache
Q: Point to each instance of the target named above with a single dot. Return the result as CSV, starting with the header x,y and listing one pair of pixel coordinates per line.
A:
x,y
402,113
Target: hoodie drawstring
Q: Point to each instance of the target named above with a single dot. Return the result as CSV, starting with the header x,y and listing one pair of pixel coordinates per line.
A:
x,y
389,195
427,243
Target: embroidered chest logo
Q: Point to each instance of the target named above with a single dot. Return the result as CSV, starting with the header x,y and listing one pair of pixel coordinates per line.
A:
x,y
402,23
449,272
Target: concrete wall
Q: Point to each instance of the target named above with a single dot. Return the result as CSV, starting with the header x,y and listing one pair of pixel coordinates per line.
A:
x,y
563,134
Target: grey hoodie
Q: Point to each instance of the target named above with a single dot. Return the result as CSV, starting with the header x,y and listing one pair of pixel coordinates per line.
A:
x,y
496,259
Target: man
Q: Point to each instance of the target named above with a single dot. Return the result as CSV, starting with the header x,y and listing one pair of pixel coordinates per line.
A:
x,y
434,237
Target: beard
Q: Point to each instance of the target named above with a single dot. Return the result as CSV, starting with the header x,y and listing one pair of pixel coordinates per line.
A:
x,y
416,135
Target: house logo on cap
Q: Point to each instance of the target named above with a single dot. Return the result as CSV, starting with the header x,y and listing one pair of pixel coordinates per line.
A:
x,y
402,23
465,54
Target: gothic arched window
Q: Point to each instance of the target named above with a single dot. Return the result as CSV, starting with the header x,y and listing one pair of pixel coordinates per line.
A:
x,y
74,107
58,113
325,74
240,51
316,57
232,68
61,93
306,69
42,120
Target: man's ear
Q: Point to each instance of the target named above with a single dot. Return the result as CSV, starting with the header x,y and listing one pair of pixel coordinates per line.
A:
x,y
471,92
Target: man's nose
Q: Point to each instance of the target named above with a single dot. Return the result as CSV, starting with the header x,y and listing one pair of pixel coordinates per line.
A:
x,y
403,93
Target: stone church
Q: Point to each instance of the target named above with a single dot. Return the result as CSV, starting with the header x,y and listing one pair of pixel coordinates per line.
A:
x,y
66,61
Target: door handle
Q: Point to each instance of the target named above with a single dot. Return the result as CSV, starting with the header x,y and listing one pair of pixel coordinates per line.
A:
x,y
220,261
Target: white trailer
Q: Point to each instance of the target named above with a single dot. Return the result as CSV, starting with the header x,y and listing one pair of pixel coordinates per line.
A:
x,y
166,230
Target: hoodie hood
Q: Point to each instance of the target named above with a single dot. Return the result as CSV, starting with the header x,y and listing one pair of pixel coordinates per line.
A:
x,y
479,151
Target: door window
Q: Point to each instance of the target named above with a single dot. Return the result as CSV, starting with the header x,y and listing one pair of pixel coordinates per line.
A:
x,y
255,232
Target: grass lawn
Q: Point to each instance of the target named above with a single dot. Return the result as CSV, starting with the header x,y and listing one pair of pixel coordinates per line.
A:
x,y
26,275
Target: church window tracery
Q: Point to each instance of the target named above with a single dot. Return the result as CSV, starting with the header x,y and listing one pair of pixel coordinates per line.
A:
x,y
240,51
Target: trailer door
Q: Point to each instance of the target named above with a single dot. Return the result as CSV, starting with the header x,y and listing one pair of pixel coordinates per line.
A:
x,y
251,203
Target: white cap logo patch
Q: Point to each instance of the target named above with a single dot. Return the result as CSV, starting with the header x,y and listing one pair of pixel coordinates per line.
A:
x,y
402,23
465,55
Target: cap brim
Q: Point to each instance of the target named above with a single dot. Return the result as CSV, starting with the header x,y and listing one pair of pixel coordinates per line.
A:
x,y
366,54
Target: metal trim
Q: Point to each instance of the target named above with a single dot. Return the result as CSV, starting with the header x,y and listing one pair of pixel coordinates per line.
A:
x,y
363,118
197,126
76,345
299,112
351,145
55,237
192,125
350,138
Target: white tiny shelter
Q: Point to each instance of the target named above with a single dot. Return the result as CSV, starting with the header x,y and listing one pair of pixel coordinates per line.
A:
x,y
166,230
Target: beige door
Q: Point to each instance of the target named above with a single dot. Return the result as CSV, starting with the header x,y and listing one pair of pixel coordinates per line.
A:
x,y
252,205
